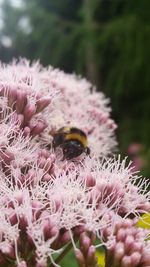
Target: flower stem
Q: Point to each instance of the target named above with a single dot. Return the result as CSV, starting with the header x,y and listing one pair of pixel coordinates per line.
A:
x,y
60,257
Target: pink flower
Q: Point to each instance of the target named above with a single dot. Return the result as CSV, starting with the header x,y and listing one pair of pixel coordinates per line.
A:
x,y
135,148
130,247
47,202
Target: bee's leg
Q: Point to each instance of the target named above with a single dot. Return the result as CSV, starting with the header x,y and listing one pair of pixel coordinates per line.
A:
x,y
87,150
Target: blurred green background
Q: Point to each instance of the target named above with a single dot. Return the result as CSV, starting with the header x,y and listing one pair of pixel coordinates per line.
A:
x,y
107,41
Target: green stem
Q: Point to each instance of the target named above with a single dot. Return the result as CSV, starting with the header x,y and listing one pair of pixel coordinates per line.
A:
x,y
60,257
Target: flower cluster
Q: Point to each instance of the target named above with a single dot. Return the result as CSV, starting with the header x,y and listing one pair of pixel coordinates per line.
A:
x,y
130,246
48,203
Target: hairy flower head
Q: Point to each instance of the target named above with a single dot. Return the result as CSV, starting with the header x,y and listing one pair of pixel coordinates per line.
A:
x,y
46,200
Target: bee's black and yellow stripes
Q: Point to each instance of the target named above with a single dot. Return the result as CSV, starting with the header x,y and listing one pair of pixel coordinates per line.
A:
x,y
72,140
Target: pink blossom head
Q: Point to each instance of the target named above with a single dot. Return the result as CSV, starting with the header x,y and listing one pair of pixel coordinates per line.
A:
x,y
135,148
130,245
46,201
48,99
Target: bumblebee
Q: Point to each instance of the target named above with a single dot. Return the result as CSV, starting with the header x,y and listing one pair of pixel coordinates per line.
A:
x,y
72,140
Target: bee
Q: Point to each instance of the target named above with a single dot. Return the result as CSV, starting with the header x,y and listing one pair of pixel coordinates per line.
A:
x,y
72,140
